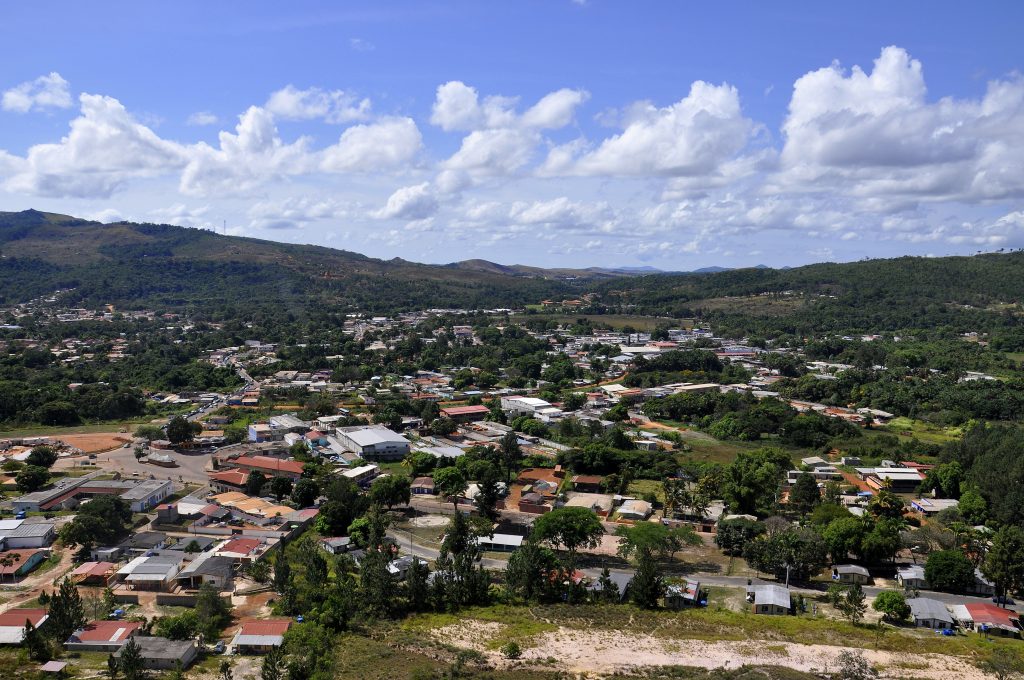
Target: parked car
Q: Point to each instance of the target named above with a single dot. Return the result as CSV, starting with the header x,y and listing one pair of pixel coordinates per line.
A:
x,y
219,647
1003,600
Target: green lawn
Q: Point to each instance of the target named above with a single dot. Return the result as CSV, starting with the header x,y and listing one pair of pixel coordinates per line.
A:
x,y
926,432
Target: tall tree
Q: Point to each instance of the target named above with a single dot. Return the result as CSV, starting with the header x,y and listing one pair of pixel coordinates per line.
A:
x,y
570,529
390,491
131,663
273,665
1004,563
67,613
804,495
647,586
510,455
450,483
255,482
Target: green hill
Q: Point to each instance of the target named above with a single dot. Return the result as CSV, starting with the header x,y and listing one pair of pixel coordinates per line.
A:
x,y
153,265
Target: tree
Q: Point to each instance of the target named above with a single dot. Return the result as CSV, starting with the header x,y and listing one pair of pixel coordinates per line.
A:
x,y
647,586
37,646
972,506
653,539
488,491
892,604
949,570
1004,664
376,584
149,432
752,480
733,535
225,670
886,504
842,537
1004,563
417,588
282,573
569,528
450,483
42,456
130,662
390,491
305,492
67,613
310,651
510,455
607,589
530,573
31,478
442,427
852,605
212,610
102,521
804,495
273,665
344,502
179,430
796,552
255,482
280,487
112,668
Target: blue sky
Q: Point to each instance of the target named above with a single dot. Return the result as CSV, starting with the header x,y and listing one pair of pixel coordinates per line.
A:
x,y
550,133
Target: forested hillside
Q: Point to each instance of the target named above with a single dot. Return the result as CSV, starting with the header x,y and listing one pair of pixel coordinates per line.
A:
x,y
163,266
983,292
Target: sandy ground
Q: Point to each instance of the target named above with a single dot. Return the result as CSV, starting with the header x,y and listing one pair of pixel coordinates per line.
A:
x,y
607,652
429,521
96,442
29,588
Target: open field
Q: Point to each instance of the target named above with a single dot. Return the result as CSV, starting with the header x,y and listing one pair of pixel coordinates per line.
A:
x,y
607,639
61,432
926,432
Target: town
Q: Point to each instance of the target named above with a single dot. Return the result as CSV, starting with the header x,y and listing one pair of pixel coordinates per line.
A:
x,y
449,460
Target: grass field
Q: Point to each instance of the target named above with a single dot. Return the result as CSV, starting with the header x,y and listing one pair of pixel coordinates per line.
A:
x,y
926,432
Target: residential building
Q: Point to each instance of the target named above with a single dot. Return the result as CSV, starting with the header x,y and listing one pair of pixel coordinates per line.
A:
x,y
635,509
162,654
259,637
156,572
769,598
27,534
851,574
269,466
207,568
102,636
929,613
686,594
12,624
912,577
22,562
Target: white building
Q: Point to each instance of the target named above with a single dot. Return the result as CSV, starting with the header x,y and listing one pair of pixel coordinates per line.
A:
x,y
374,442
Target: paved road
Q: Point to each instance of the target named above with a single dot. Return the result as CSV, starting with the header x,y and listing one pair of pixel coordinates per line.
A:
x,y
191,467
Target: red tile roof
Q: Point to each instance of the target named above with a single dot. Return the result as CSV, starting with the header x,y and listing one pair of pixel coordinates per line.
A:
x,y
270,464
233,477
107,631
465,410
270,627
17,617
990,613
94,569
20,557
241,546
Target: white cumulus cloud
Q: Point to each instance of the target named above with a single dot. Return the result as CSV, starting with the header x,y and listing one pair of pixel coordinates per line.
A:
x,y
45,92
105,148
334,106
416,202
386,144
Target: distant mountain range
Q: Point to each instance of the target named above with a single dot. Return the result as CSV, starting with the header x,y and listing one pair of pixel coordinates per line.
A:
x,y
159,266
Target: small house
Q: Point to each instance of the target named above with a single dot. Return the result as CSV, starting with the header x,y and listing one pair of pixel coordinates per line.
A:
x,y
911,578
422,486
12,624
102,636
686,594
161,654
259,637
929,613
851,574
769,598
